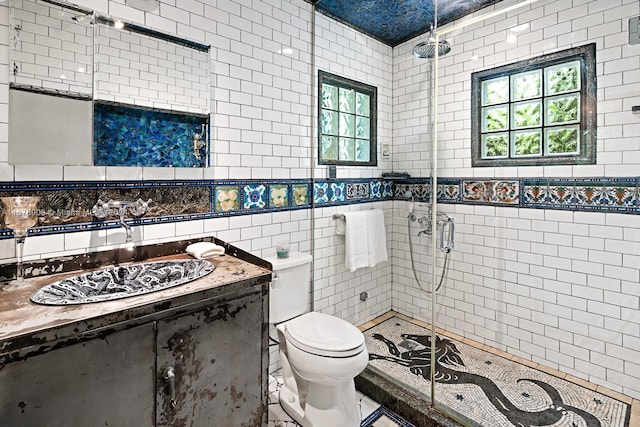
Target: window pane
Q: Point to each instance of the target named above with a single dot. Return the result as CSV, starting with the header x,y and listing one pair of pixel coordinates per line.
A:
x,y
347,149
563,78
495,91
362,150
363,103
362,127
329,97
495,118
563,109
495,145
564,140
329,122
329,149
527,143
347,125
347,100
527,85
526,114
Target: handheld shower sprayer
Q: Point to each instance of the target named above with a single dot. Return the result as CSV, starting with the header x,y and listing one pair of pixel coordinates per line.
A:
x,y
409,194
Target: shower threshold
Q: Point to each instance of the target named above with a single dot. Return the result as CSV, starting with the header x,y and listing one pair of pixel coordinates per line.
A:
x,y
476,385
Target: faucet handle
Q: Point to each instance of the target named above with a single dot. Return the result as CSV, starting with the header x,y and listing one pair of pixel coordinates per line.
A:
x,y
101,209
139,207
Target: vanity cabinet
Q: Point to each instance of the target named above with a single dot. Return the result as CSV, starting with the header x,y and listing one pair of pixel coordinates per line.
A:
x,y
195,360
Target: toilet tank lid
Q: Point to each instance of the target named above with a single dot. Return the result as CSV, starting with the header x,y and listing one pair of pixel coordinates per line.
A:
x,y
295,259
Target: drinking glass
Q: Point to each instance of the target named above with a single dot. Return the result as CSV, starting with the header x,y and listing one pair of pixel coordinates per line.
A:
x,y
20,214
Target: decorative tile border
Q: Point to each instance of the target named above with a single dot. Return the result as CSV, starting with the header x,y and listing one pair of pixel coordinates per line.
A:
x,y
66,206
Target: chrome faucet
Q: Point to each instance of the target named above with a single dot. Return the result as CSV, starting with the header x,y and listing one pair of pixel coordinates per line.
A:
x,y
137,209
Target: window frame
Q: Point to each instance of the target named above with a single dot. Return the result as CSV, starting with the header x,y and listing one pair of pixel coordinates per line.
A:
x,y
587,110
372,91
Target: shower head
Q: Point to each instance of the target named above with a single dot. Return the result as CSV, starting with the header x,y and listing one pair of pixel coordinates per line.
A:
x,y
428,49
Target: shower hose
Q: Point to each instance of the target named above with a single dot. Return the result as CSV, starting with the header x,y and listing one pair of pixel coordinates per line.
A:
x,y
445,267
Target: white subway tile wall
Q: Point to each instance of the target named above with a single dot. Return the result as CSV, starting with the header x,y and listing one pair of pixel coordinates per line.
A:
x,y
50,49
141,70
556,287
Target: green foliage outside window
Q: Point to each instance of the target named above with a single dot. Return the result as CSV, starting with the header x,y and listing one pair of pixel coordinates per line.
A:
x,y
346,121
531,112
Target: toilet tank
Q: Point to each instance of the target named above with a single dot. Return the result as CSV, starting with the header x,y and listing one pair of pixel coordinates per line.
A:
x,y
290,288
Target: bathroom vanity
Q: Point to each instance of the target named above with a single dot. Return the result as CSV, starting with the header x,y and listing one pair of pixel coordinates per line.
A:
x,y
195,354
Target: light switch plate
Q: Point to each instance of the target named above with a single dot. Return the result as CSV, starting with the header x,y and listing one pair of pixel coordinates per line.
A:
x,y
634,30
386,152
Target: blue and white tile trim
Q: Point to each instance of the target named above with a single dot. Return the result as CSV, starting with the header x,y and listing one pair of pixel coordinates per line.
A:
x,y
219,198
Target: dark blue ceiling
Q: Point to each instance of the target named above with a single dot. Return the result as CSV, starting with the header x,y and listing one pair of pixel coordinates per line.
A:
x,y
396,21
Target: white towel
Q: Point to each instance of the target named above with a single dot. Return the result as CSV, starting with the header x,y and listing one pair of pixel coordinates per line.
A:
x,y
377,238
204,250
356,251
365,239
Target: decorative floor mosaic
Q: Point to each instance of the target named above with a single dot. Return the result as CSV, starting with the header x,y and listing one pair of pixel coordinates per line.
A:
x,y
483,388
382,417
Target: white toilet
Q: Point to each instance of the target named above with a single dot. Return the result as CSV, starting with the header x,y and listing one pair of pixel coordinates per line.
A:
x,y
320,355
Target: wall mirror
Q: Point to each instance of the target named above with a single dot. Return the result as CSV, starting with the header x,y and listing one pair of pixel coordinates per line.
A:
x,y
87,89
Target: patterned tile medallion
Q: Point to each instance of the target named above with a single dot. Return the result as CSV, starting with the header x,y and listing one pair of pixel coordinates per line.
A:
x,y
501,192
255,196
357,190
449,192
278,196
320,192
337,192
226,198
300,194
485,388
375,190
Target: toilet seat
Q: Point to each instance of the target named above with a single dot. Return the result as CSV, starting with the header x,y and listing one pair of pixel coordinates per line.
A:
x,y
324,335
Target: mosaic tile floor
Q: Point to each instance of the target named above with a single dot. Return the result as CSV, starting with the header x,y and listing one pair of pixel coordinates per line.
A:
x,y
485,389
373,415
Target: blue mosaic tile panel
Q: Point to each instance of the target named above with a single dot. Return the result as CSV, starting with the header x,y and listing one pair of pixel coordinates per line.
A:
x,y
124,135
255,196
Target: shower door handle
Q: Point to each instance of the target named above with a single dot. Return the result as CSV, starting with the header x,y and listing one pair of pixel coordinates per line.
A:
x,y
450,225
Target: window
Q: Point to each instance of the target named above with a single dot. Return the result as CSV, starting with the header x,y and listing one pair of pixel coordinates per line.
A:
x,y
540,111
346,122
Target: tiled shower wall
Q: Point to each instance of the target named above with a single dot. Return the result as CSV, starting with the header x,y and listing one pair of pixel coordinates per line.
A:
x,y
557,287
261,128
